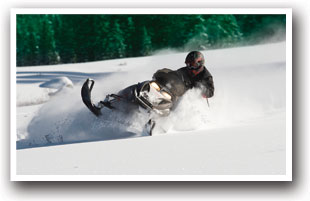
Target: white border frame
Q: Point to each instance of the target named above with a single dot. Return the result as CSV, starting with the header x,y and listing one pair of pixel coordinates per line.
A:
x,y
289,95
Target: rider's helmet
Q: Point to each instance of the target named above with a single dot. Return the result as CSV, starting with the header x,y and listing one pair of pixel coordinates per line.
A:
x,y
194,60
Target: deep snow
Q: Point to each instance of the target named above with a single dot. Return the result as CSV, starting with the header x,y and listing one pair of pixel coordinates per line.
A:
x,y
243,132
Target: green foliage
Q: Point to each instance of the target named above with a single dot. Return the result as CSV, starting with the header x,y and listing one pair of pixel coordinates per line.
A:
x,y
115,41
27,40
146,43
53,39
47,47
258,28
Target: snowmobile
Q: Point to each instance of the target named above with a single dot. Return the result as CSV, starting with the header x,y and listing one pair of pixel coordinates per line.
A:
x,y
157,96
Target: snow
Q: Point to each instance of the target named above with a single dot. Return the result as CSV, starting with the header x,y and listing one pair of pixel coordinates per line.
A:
x,y
243,132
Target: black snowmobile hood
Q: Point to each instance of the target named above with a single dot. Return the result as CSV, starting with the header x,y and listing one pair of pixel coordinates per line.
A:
x,y
170,80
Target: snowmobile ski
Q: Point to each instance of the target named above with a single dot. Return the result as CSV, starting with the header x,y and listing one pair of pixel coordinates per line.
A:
x,y
86,97
149,126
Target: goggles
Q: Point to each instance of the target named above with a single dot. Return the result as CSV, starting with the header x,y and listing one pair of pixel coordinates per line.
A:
x,y
195,65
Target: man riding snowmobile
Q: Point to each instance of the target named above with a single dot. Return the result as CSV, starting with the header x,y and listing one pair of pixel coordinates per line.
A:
x,y
158,95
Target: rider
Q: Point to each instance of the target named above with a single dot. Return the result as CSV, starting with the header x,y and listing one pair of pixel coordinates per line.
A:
x,y
195,74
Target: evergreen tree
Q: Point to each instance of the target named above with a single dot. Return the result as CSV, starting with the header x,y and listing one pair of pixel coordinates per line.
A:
x,y
146,43
129,33
64,38
115,41
223,30
256,28
47,48
83,35
199,37
27,40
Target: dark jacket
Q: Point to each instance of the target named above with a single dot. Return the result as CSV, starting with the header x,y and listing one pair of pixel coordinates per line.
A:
x,y
203,80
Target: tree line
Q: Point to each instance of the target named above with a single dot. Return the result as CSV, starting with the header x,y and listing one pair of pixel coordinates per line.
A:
x,y
62,38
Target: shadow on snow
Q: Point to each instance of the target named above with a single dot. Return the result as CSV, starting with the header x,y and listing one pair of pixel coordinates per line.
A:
x,y
31,77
